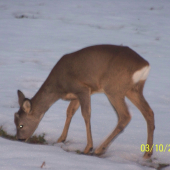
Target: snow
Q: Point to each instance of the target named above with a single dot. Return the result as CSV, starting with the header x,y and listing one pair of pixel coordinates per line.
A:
x,y
33,37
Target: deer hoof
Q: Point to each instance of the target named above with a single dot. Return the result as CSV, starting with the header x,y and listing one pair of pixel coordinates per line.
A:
x,y
100,151
60,140
88,150
147,155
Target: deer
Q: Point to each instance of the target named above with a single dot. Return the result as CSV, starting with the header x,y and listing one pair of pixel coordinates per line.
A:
x,y
116,71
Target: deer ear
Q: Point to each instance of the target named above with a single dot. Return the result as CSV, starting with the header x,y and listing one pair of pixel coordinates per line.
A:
x,y
26,106
21,98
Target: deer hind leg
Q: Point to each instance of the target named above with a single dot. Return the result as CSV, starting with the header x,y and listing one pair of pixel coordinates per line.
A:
x,y
137,98
72,108
123,119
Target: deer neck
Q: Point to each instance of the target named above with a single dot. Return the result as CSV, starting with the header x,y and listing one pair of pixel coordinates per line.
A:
x,y
42,101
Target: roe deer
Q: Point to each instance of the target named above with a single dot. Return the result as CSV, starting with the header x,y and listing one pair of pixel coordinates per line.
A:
x,y
117,71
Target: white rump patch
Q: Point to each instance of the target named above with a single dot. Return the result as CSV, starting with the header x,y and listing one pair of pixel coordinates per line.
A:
x,y
141,74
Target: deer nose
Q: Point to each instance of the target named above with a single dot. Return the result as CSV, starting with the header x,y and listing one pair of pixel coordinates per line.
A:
x,y
22,140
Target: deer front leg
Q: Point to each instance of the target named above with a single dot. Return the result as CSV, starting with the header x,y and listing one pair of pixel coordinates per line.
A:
x,y
72,108
84,99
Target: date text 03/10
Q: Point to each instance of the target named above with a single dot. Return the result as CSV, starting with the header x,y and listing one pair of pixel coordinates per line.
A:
x,y
159,148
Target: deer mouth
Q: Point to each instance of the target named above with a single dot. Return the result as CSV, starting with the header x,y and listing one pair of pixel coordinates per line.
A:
x,y
22,140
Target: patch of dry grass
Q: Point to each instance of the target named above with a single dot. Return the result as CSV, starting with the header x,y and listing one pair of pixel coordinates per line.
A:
x,y
34,139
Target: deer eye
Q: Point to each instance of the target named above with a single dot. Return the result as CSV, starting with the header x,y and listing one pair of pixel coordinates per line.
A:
x,y
21,126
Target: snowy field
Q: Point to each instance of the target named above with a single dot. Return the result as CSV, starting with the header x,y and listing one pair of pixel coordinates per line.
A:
x,y
34,34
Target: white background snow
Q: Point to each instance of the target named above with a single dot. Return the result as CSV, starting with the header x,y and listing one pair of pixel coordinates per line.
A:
x,y
33,37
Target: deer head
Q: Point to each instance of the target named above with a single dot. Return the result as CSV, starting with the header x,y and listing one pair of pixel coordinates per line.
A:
x,y
25,121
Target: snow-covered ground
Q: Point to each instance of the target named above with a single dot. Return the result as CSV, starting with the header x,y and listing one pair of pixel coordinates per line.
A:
x,y
35,34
